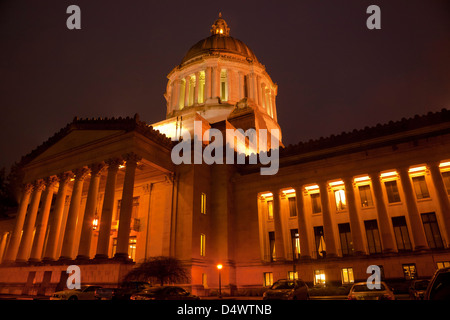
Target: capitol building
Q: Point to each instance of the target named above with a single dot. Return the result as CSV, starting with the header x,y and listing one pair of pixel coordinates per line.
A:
x,y
104,193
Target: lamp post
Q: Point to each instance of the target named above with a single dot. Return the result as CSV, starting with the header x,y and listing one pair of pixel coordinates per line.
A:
x,y
219,267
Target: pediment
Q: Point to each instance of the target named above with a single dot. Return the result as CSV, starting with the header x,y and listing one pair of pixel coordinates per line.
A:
x,y
76,139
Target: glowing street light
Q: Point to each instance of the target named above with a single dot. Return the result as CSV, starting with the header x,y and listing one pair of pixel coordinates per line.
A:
x,y
219,267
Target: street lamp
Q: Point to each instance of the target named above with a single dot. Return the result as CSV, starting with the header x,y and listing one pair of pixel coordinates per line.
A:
x,y
219,267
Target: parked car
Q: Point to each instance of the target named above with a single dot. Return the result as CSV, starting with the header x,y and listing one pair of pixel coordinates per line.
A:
x,y
360,291
164,293
287,290
417,289
123,292
86,292
439,286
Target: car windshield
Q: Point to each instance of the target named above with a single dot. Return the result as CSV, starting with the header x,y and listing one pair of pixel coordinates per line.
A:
x,y
364,288
154,290
421,285
441,287
283,285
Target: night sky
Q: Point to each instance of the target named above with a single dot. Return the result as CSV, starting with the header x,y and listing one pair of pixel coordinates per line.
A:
x,y
333,73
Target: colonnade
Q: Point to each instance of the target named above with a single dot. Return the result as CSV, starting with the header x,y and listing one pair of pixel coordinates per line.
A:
x,y
227,84
387,237
23,246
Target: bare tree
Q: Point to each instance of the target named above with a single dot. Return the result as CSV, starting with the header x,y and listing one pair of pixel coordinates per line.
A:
x,y
161,269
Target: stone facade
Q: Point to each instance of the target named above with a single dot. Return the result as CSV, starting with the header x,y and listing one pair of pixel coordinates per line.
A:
x,y
104,193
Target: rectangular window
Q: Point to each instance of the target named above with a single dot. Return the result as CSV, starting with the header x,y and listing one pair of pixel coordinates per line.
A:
x,y
320,242
420,187
366,196
373,236
268,279
346,239
392,191
202,245
432,232
295,242
315,203
401,233
446,178
443,264
319,277
223,85
292,275
410,271
134,209
204,280
132,248
270,209
272,245
203,203
292,206
347,275
341,202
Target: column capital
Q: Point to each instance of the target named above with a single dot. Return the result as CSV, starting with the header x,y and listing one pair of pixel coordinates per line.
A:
x,y
39,185
132,158
114,163
97,168
50,181
65,177
81,173
27,188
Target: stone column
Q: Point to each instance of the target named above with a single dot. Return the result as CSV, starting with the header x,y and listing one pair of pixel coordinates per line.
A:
x,y
258,91
27,236
328,229
72,215
13,247
420,241
280,250
197,87
126,207
355,225
241,84
187,86
57,216
303,227
215,81
208,83
387,237
176,94
41,225
108,207
442,195
91,207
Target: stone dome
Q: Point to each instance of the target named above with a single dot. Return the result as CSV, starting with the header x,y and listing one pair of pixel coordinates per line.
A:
x,y
219,42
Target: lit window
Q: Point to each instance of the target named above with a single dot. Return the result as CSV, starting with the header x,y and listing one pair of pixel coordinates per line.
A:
x,y
203,203
319,277
202,244
366,196
443,264
292,275
420,187
410,271
341,202
268,279
295,241
132,248
223,85
347,275
272,256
